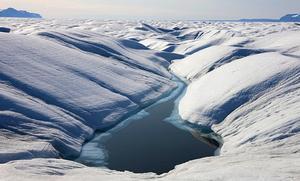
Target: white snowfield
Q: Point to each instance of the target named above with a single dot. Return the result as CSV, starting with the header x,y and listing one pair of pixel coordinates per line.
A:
x,y
62,80
245,79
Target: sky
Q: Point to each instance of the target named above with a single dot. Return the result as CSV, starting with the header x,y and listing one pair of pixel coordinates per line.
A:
x,y
157,9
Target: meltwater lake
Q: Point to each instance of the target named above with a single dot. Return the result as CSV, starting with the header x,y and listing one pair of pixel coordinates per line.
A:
x,y
153,140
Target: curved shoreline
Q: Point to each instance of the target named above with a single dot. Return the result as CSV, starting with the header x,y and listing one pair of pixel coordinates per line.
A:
x,y
95,153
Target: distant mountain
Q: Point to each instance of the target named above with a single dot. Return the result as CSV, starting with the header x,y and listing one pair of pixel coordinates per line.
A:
x,y
11,12
291,18
286,18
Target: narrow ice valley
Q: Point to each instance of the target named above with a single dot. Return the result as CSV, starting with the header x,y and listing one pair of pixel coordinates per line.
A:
x,y
72,91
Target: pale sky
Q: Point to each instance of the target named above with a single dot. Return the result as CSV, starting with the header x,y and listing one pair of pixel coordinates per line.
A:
x,y
157,9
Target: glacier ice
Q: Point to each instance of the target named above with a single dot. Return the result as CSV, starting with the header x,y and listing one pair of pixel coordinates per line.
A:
x,y
55,91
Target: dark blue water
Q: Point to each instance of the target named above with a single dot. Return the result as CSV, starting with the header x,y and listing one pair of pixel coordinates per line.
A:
x,y
147,143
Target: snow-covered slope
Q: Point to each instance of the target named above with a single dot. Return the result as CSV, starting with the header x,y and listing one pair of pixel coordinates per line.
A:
x,y
284,42
67,78
232,85
252,101
207,60
54,97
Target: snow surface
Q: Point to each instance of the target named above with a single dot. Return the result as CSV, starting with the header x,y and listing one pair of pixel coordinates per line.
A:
x,y
202,62
245,79
55,94
67,78
285,43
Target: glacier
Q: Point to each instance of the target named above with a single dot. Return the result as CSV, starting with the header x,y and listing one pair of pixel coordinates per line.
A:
x,y
60,80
